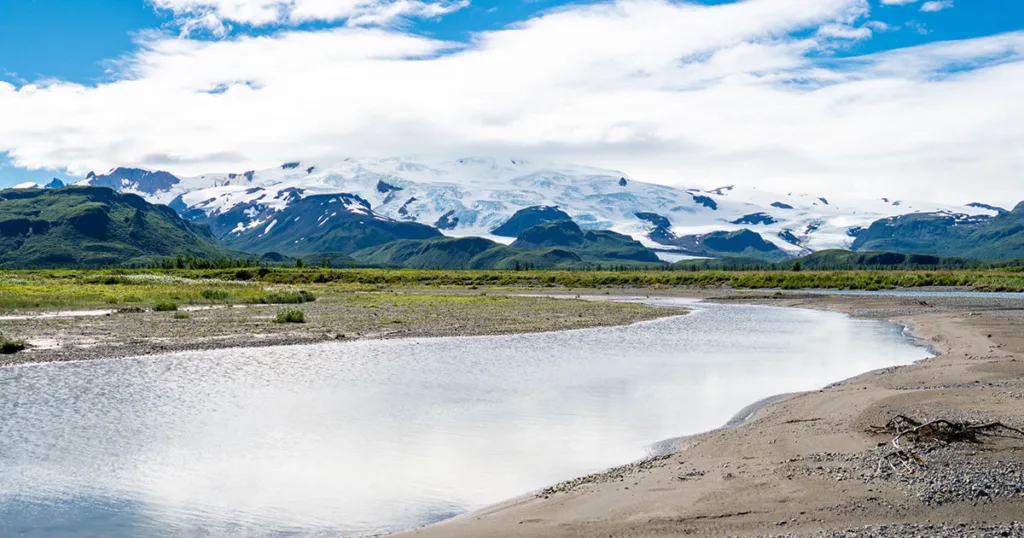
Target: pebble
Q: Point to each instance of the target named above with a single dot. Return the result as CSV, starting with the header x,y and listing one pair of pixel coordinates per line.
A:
x,y
963,530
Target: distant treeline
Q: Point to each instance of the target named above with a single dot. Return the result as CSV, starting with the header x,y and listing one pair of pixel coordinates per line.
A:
x,y
827,260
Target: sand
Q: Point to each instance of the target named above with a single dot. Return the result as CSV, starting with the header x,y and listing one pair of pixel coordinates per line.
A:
x,y
808,463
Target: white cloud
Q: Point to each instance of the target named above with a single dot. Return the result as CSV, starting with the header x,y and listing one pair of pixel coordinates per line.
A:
x,y
936,5
897,2
844,31
216,15
880,26
674,93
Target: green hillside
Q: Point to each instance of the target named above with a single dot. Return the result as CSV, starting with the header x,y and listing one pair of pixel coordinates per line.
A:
x,y
529,217
740,243
983,238
93,226
463,253
597,246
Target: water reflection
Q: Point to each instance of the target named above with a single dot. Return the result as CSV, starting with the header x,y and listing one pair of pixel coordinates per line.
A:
x,y
363,437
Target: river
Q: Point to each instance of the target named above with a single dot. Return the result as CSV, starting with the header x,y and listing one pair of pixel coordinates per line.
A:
x,y
374,436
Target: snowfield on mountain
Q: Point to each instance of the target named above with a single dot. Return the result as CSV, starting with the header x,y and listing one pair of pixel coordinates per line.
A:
x,y
473,197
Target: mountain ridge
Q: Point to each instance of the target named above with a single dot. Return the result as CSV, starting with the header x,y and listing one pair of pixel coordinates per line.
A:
x,y
475,197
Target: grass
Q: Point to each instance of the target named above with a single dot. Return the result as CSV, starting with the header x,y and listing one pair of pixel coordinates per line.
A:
x,y
285,297
97,288
290,315
214,294
982,280
165,307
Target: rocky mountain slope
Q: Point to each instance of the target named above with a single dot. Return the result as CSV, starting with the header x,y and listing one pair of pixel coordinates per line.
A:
x,y
323,223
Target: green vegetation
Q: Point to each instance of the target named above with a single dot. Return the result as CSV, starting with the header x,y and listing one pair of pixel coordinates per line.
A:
x,y
558,244
987,280
844,260
284,297
297,229
180,315
93,226
290,315
740,243
130,289
475,253
595,246
214,294
10,347
68,288
529,217
984,238
165,307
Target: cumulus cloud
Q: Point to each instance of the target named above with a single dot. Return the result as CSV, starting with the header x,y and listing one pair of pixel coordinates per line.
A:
x,y
936,5
897,2
674,93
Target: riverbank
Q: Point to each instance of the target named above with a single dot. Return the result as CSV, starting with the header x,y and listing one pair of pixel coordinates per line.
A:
x,y
334,315
812,464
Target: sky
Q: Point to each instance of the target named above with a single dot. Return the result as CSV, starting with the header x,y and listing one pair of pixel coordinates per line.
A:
x,y
919,99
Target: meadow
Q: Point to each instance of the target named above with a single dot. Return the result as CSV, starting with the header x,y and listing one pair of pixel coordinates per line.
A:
x,y
120,288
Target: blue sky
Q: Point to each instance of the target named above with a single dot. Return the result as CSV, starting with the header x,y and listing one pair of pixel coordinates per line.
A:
x,y
75,40
66,44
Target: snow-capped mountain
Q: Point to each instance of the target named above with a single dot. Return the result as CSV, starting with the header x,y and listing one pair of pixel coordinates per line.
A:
x,y
473,197
53,184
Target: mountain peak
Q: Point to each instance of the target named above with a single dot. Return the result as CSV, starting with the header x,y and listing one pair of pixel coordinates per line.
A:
x,y
133,179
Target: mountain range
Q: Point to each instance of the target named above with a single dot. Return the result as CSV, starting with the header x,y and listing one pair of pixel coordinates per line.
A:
x,y
585,215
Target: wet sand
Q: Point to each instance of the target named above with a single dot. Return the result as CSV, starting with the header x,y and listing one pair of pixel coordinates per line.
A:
x,y
810,464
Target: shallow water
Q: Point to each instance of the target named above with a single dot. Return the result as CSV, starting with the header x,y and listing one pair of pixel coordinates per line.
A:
x,y
361,437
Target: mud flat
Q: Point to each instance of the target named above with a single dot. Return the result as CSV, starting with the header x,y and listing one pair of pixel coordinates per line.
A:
x,y
340,316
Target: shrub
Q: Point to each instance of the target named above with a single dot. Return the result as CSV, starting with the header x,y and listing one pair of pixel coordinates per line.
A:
x,y
10,347
180,315
244,274
130,310
286,297
214,295
290,315
165,307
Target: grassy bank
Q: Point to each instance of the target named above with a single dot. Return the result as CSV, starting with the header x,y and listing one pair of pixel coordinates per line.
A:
x,y
82,288
995,280
116,288
337,315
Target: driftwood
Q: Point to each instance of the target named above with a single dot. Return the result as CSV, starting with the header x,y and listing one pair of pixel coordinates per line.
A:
x,y
904,459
